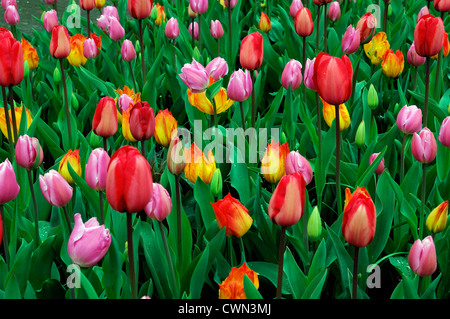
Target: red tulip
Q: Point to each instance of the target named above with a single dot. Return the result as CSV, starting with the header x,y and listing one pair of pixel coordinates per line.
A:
x,y
129,183
11,60
429,35
104,122
87,4
333,78
140,9
442,5
252,51
367,26
60,42
142,121
303,22
232,215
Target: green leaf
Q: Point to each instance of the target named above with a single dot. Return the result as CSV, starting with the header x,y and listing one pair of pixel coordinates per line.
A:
x,y
41,263
250,290
314,289
295,276
199,275
204,198
12,290
111,266
21,266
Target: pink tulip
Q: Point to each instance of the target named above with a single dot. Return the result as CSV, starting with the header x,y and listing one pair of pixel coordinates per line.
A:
x,y
217,68
26,152
88,242
195,24
292,75
6,3
124,102
9,188
295,6
351,40
232,3
380,167
108,13
424,11
115,29
308,75
50,20
51,1
413,58
295,162
199,6
55,189
422,257
424,146
160,205
334,12
127,51
195,76
216,29
90,49
96,169
240,86
409,119
172,31
12,15
444,132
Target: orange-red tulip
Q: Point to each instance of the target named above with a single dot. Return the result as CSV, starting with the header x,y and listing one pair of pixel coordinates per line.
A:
x,y
273,161
233,286
252,51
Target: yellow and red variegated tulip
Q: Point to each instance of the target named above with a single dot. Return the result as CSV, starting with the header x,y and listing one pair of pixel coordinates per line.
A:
x,y
201,101
72,158
437,219
329,114
233,286
18,113
165,127
60,45
199,165
76,56
393,63
29,54
377,48
273,161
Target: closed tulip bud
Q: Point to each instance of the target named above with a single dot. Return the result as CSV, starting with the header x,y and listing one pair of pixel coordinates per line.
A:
x,y
11,60
115,29
140,9
129,183
96,169
333,78
442,5
424,146
413,58
176,161
50,20
240,86
264,23
216,183
99,4
429,35
142,121
90,50
127,51
314,226
60,42
71,158
286,205
252,51
9,188
231,3
28,152
216,29
88,242
303,23
393,63
217,68
191,13
165,127
56,76
199,6
409,119
160,205
359,218
380,167
351,40
437,219
292,75
422,12
273,161
199,165
372,97
105,123
232,215
295,6
309,74
172,31
12,15
233,286
87,4
195,76
367,27
422,257
360,137
334,12
329,115
193,25
295,162
55,188
444,132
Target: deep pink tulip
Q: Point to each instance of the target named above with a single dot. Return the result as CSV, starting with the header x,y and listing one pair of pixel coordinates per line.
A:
x,y
50,20
295,6
90,49
424,146
422,257
127,51
409,119
295,162
334,12
12,15
217,68
195,76
160,205
292,75
108,12
216,29
199,6
444,132
9,188
413,58
55,189
115,29
308,75
172,31
351,40
380,167
232,3
96,169
27,151
88,242
51,1
195,26
240,86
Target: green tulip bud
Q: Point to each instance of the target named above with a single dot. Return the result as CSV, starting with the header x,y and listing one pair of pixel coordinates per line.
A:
x,y
448,109
372,98
360,137
389,10
216,183
283,138
26,69
197,54
94,140
137,47
153,14
396,108
314,226
74,102
56,76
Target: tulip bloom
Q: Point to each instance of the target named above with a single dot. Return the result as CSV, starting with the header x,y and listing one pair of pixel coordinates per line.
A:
x,y
380,167
199,6
142,121
90,49
309,74
359,218
176,161
377,48
292,75
126,132
104,123
76,56
160,205
413,58
429,35
303,23
294,7
367,27
233,286
11,15
60,43
422,257
72,158
273,161
87,4
199,165
334,12
264,23
217,68
424,146
444,132
409,119
129,183
115,29
437,219
193,30
393,63
329,115
18,114
295,162
240,85
172,31
50,20
201,101
333,78
127,51
11,60
232,215
6,3
165,127
160,15
96,169
195,76
88,242
99,4
55,188
125,101
29,54
9,188
140,9
286,205
252,51
28,151
351,40
216,29
422,12
442,5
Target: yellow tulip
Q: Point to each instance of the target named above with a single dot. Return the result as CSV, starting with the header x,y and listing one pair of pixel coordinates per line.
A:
x,y
18,112
437,219
377,48
73,158
329,114
393,63
199,165
76,56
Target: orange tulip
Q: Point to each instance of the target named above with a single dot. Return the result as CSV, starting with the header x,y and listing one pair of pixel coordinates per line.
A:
x,y
29,54
264,23
272,163
198,165
393,63
126,125
233,286
160,15
76,56
72,158
329,114
165,127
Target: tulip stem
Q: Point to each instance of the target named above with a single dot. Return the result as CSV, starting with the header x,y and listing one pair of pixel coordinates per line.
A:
x,y
131,255
5,234
242,115
178,199
36,214
66,214
253,99
402,160
241,245
193,34
169,260
102,213
143,148
8,123
105,144
141,41
229,30
319,138
427,92
66,103
132,76
385,16
338,159
422,212
355,273
88,22
280,260
325,35
318,28
199,34
13,113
